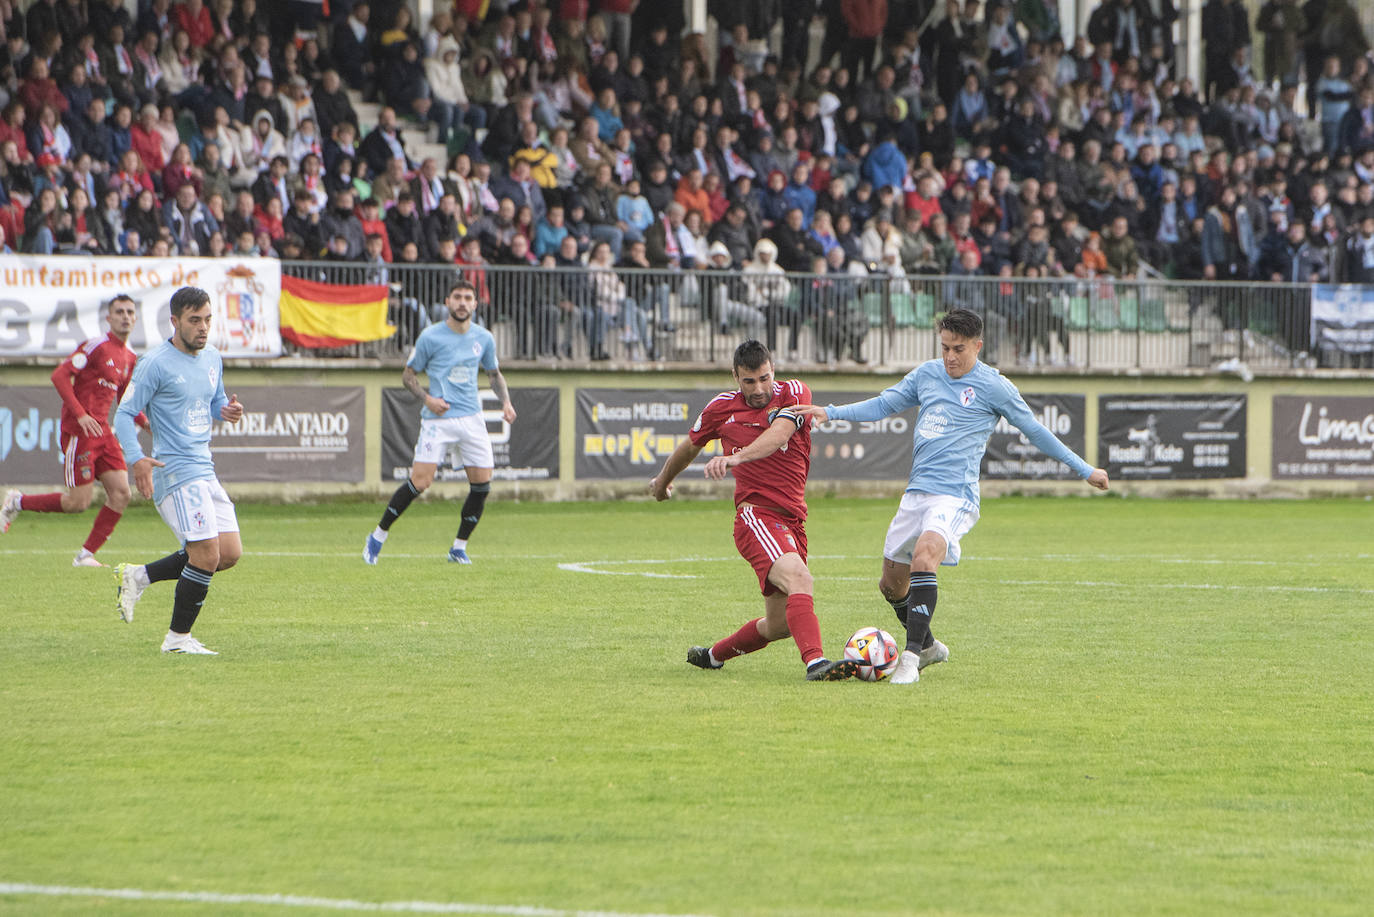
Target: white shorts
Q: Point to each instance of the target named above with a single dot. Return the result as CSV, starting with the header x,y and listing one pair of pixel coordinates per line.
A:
x,y
469,434
949,517
199,511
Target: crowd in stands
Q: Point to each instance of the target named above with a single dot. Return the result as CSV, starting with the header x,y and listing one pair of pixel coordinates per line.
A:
x,y
927,137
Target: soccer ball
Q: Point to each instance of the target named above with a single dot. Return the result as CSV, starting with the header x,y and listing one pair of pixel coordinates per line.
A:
x,y
875,651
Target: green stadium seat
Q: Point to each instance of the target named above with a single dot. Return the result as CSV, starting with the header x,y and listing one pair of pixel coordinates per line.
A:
x,y
873,307
1077,318
1152,316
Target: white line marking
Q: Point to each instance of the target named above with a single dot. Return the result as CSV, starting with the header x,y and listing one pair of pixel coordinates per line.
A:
x,y
1249,587
335,904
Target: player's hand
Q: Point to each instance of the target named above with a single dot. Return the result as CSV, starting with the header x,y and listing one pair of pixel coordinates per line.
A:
x,y
720,466
1098,479
143,475
508,412
659,491
436,405
90,427
233,411
814,411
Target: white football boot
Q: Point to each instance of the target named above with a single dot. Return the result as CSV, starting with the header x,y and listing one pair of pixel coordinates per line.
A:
x,y
185,643
935,653
128,591
908,669
9,509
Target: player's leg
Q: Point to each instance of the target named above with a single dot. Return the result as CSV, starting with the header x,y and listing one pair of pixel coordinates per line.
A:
x,y
78,474
479,485
212,544
761,550
115,481
474,444
793,579
417,482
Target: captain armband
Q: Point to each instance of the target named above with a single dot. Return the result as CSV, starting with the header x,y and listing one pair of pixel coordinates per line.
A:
x,y
790,413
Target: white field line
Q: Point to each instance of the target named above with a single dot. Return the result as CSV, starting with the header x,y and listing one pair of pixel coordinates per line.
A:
x,y
333,904
1102,584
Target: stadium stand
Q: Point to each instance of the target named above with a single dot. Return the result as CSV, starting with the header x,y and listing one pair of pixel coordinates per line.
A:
x,y
924,153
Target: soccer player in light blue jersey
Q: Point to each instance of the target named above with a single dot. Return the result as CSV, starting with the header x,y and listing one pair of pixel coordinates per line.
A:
x,y
450,353
180,386
960,401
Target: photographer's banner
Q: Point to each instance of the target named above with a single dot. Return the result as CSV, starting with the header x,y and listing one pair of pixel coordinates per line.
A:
x,y
49,304
291,433
1171,437
1323,437
1011,456
1342,318
524,451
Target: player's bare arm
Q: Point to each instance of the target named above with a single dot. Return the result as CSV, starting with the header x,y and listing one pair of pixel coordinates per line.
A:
x,y
768,442
499,388
661,486
411,380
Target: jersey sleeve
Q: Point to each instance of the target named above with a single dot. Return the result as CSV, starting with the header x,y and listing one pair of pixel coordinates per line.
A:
x,y
893,400
1009,404
419,354
141,388
74,365
794,393
708,422
220,399
488,361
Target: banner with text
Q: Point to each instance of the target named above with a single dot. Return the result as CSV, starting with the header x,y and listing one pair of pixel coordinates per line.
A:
x,y
1323,437
1011,456
293,433
1343,318
1171,437
870,450
30,435
50,304
524,451
627,433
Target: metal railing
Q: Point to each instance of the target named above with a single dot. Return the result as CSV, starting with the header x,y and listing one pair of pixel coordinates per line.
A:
x,y
584,316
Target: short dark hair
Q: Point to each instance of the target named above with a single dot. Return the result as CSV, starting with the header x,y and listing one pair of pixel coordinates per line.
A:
x,y
188,298
125,297
751,355
462,283
962,322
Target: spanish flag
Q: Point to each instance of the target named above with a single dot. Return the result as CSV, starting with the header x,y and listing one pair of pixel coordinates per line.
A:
x,y
332,315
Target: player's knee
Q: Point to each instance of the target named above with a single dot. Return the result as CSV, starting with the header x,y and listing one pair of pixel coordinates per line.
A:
x,y
421,482
891,591
117,500
771,631
76,502
227,559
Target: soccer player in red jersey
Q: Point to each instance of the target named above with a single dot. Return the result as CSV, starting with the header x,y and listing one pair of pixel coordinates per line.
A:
x,y
90,381
768,446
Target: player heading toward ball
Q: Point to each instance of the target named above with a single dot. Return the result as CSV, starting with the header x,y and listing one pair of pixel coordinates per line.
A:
x,y
89,382
767,443
449,353
960,399
180,384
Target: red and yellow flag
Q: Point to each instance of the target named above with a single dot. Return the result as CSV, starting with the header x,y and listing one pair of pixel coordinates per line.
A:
x,y
332,315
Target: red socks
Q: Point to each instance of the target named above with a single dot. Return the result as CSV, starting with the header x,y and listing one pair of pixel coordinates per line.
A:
x,y
41,503
105,521
806,630
745,640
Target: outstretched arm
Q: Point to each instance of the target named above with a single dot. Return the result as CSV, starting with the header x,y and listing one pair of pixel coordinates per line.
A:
x,y
411,380
661,486
768,442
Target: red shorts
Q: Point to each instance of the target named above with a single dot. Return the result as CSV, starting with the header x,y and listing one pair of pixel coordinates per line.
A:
x,y
85,460
762,536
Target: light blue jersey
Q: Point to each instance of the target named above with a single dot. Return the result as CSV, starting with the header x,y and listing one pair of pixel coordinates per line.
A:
x,y
954,423
451,361
182,396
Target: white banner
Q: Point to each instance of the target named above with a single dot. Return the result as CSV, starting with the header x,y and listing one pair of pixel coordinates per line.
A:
x,y
1342,318
50,304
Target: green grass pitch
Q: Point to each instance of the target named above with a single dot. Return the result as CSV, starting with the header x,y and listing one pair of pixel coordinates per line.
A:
x,y
1151,707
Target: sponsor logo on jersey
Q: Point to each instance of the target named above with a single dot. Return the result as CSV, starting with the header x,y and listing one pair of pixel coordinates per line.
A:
x,y
967,396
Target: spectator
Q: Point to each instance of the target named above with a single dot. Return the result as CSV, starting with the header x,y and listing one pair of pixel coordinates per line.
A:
x,y
189,223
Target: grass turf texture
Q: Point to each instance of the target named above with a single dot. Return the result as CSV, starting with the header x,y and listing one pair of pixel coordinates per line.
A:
x,y
1150,708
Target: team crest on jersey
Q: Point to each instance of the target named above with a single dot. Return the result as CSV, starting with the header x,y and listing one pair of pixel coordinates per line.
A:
x,y
476,350
214,376
967,396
